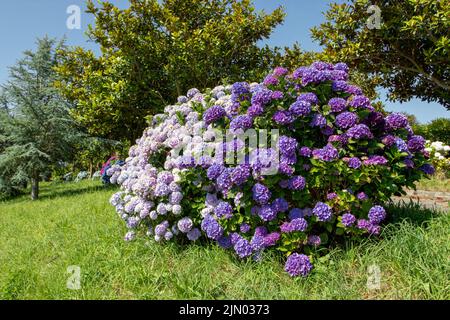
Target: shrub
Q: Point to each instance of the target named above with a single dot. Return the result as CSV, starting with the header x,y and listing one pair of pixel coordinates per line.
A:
x,y
439,157
324,176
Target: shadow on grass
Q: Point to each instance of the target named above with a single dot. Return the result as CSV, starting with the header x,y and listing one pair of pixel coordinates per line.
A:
x,y
412,212
59,189
74,192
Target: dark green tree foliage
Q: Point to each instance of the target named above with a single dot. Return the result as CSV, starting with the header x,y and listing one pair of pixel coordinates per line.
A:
x,y
154,51
409,53
36,128
439,130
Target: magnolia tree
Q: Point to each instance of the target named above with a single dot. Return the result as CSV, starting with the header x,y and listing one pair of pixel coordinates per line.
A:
x,y
291,164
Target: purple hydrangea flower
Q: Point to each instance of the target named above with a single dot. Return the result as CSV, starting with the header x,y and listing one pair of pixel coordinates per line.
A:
x,y
271,239
285,227
346,120
283,117
182,99
298,224
427,168
238,90
224,210
243,248
243,122
261,194
185,224
314,240
214,171
270,79
280,205
298,265
348,219
297,183
322,211
225,242
287,145
175,197
388,140
261,231
376,214
305,152
214,114
280,71
401,145
308,97
363,224
416,143
255,110
194,234
192,92
359,131
340,85
331,195
318,120
212,228
262,96
224,181
300,108
295,213
375,161
337,104
235,237
396,121
362,196
327,130
359,101
320,65
409,163
266,213
240,174
374,229
130,236
327,153
341,66
244,227
277,95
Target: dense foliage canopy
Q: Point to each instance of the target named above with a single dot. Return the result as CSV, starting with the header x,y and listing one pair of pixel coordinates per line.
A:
x,y
408,51
153,51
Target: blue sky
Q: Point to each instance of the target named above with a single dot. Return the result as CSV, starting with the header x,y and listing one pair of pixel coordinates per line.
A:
x,y
21,21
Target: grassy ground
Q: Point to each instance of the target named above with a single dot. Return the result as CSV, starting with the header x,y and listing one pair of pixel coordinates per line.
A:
x,y
434,184
73,224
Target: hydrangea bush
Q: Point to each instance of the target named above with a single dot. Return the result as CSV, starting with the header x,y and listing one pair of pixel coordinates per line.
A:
x,y
439,156
337,160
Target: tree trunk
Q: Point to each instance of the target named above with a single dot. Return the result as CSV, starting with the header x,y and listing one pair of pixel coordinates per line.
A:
x,y
35,187
91,168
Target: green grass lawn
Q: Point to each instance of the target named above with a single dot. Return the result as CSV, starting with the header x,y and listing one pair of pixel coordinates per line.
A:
x,y
73,224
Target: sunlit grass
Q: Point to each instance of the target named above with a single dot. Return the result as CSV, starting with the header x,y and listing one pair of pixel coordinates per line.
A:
x,y
73,224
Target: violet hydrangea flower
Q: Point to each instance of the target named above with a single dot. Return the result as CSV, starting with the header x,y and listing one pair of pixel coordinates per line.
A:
x,y
214,114
348,219
261,194
298,265
322,211
376,214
